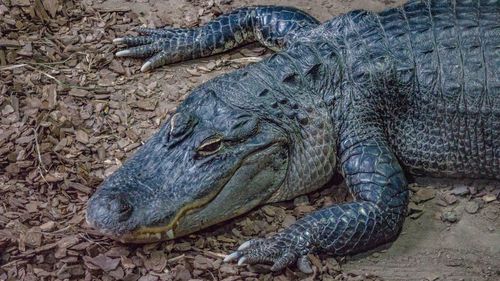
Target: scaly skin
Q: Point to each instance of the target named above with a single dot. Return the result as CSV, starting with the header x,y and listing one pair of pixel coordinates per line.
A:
x,y
413,89
267,24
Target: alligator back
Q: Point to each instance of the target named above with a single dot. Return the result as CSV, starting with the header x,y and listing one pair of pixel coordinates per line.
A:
x,y
430,69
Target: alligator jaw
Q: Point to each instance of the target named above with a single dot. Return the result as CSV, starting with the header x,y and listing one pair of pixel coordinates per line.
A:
x,y
140,237
170,229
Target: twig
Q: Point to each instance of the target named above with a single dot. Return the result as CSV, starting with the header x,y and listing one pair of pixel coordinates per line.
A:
x,y
214,255
38,151
45,73
10,67
174,259
111,10
92,241
66,85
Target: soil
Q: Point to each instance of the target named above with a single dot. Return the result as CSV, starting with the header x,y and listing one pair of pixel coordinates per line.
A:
x,y
71,113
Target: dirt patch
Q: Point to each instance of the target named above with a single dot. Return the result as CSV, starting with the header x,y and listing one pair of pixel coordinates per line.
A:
x,y
71,113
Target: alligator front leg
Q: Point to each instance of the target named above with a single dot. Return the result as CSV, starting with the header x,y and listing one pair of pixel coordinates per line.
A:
x,y
378,186
270,25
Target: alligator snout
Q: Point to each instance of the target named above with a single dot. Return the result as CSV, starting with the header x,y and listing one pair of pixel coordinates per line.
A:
x,y
120,207
109,210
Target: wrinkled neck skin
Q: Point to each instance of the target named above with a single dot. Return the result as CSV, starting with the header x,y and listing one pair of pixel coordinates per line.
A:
x,y
287,90
296,90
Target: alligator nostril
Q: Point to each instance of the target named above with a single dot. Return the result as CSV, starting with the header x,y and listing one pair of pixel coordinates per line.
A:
x,y
121,207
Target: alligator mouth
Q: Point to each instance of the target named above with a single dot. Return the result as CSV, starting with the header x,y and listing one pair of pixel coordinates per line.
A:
x,y
157,233
151,234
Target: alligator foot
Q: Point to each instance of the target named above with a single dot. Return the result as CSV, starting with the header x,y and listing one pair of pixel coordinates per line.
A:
x,y
269,25
276,250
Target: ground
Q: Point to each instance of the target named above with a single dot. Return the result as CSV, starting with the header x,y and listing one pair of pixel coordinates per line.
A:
x,y
71,113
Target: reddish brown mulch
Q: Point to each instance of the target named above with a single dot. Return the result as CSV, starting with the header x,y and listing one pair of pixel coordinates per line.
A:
x,y
70,113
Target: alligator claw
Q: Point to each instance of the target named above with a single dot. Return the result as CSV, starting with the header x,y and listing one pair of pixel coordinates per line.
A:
x,y
304,264
273,251
119,40
232,257
123,53
146,66
242,261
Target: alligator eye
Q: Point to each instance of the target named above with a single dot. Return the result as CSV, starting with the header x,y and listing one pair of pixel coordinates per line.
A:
x,y
210,146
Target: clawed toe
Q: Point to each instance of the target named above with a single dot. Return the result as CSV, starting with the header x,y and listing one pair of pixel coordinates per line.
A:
x,y
119,40
232,257
269,251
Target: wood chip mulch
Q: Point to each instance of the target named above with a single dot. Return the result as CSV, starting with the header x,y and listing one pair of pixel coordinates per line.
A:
x,y
70,113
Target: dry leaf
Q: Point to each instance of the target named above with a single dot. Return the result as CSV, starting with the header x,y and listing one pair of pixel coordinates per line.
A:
x,y
51,6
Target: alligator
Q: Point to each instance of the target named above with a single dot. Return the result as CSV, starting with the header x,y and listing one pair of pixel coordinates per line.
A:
x,y
378,97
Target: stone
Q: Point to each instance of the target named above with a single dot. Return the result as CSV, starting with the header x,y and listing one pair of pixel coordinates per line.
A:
x,y
460,190
472,207
450,199
422,195
489,198
414,211
301,200
450,216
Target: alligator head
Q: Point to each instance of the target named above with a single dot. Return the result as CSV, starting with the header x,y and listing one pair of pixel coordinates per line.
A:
x,y
229,147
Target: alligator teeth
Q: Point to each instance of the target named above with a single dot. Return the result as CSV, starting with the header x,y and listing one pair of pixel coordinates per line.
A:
x,y
170,234
158,236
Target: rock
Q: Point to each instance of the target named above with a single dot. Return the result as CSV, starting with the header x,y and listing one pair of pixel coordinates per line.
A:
x,y
472,207
450,199
449,216
491,212
460,190
299,211
414,211
288,220
441,202
422,195
489,198
301,200
269,210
